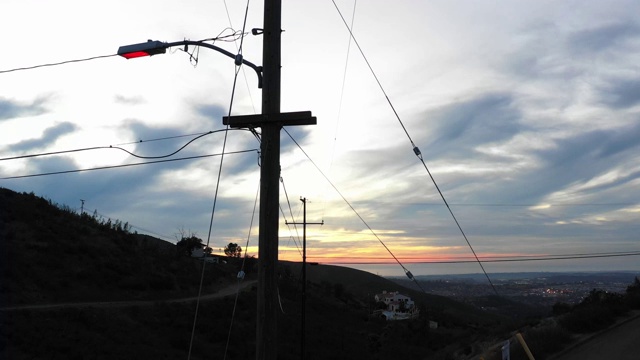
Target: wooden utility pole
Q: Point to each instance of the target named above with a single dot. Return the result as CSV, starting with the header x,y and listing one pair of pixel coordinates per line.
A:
x,y
267,325
304,224
270,121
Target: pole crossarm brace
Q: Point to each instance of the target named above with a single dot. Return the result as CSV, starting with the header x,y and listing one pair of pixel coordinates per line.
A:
x,y
151,48
304,223
284,119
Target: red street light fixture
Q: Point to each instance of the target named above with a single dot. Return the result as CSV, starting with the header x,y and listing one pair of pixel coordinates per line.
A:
x,y
151,48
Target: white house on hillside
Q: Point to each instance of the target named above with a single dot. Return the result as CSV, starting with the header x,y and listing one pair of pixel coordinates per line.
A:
x,y
200,254
394,300
399,307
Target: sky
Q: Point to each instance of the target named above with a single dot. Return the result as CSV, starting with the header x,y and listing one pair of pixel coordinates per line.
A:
x,y
526,114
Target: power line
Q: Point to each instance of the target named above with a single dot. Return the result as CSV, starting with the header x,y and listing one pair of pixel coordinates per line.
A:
x,y
484,258
56,64
415,148
290,212
549,258
551,204
123,165
246,81
238,63
344,80
234,36
116,147
242,268
406,271
162,138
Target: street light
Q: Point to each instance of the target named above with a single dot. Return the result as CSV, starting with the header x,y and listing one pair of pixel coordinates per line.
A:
x,y
155,47
149,48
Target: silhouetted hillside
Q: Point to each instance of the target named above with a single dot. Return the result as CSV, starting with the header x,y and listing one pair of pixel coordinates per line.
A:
x,y
364,285
51,255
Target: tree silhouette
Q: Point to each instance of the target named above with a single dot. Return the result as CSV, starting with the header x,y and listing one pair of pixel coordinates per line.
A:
x,y
233,250
186,245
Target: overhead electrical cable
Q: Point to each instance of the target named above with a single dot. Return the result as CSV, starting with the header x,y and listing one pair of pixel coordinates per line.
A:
x,y
284,216
123,165
56,64
549,258
221,38
406,271
284,188
344,80
102,147
116,147
141,141
233,37
542,206
416,150
484,258
213,210
244,74
240,276
238,63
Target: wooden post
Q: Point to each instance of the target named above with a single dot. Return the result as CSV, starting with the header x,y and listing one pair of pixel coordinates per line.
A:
x,y
304,274
524,346
270,121
267,312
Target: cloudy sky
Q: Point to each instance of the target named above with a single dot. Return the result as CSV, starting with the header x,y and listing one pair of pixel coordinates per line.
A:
x,y
526,113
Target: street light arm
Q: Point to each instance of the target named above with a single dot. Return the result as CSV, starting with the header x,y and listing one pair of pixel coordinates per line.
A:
x,y
257,69
151,48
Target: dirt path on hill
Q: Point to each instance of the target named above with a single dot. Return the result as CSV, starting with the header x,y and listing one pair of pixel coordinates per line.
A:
x,y
226,291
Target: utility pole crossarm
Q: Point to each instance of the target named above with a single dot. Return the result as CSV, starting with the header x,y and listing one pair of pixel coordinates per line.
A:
x,y
303,223
284,119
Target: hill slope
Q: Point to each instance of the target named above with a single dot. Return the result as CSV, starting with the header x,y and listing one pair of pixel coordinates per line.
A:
x,y
49,254
364,285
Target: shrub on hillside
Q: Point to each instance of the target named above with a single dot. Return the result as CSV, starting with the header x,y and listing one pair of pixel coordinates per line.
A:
x,y
597,311
587,319
547,339
632,295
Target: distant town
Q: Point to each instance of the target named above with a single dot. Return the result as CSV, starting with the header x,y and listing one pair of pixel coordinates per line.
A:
x,y
535,289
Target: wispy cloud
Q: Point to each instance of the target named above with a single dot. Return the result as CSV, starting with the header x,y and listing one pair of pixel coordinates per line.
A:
x,y
602,38
621,93
50,136
129,100
10,109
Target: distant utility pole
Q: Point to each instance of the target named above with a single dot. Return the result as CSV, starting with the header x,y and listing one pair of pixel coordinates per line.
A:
x,y
81,207
271,120
304,224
